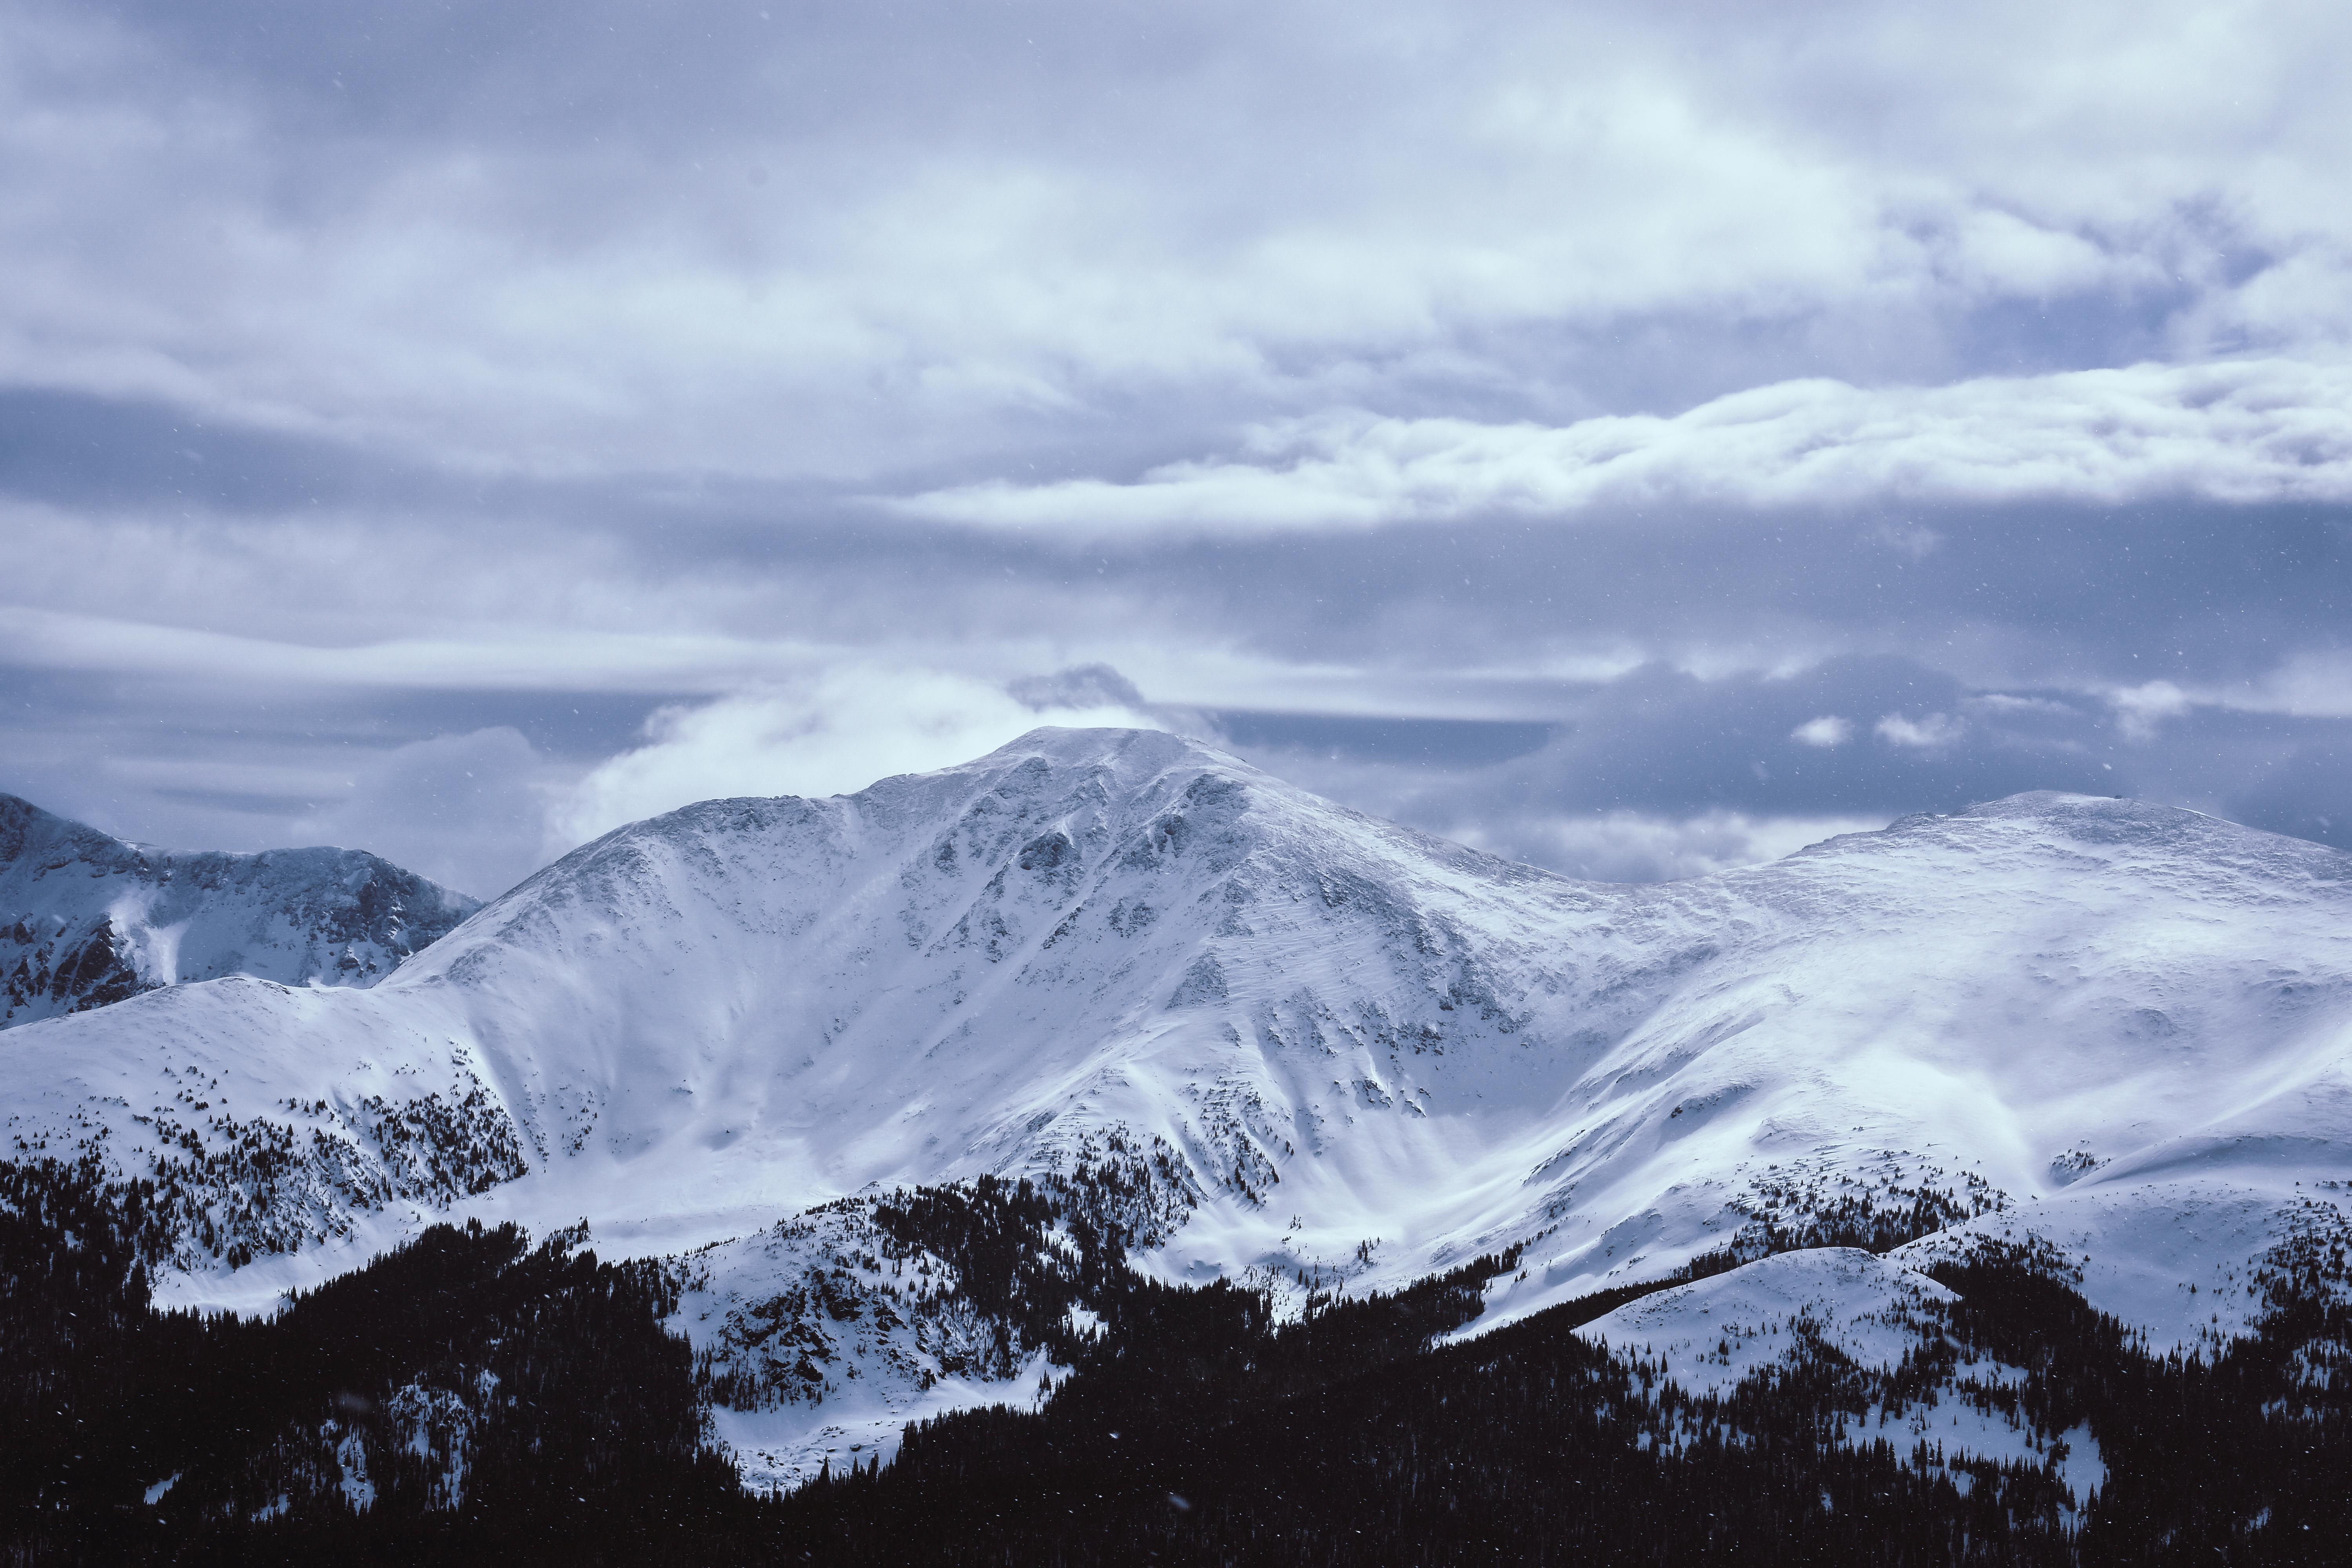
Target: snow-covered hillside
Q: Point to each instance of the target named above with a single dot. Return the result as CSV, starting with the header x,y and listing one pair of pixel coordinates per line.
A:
x,y
1337,1051
1753,1323
86,919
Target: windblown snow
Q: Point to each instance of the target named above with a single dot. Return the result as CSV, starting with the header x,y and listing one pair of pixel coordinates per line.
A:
x,y
1361,1054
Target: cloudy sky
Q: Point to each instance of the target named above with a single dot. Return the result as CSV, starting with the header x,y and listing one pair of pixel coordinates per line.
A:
x,y
1636,438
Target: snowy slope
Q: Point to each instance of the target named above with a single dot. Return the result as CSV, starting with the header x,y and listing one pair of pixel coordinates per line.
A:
x,y
86,919
1710,1335
1346,1050
825,1340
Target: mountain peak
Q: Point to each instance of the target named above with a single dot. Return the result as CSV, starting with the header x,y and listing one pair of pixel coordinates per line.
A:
x,y
1109,746
86,919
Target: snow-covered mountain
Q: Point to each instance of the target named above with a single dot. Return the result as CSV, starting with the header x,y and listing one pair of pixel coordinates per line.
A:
x,y
1314,1048
85,919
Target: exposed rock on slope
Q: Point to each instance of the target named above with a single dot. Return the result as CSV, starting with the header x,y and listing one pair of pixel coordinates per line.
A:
x,y
86,919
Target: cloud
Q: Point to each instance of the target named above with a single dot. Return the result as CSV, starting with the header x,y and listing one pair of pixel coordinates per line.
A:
x,y
2247,431
1636,846
1679,771
833,733
2311,683
2141,710
1081,236
2008,705
1081,687
1829,730
464,809
1933,732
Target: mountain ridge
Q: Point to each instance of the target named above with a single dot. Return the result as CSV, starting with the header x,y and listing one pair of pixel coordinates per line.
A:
x,y
1415,1051
86,919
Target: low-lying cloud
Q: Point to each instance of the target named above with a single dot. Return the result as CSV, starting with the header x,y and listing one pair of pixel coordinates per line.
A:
x,y
833,733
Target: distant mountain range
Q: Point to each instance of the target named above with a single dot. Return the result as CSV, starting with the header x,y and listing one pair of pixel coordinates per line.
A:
x,y
85,919
1229,1031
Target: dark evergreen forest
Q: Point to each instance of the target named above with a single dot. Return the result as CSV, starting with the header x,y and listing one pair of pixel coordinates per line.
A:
x,y
520,1402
